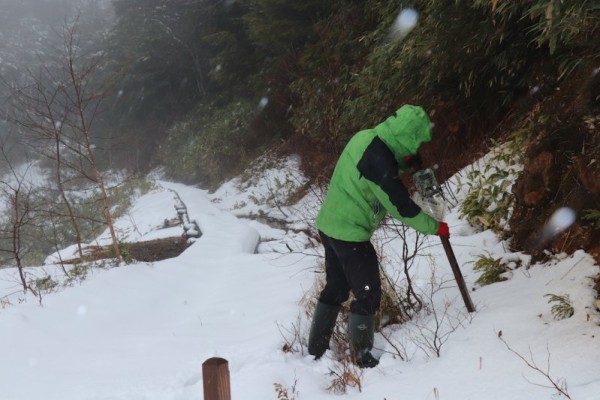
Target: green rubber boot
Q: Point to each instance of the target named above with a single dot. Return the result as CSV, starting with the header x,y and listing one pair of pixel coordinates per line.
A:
x,y
361,329
321,328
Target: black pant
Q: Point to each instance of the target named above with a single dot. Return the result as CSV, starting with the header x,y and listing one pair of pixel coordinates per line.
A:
x,y
351,266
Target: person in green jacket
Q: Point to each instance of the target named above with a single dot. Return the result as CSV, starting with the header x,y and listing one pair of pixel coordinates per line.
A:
x,y
364,187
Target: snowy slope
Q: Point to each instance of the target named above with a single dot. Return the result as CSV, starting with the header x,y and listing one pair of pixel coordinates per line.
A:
x,y
142,331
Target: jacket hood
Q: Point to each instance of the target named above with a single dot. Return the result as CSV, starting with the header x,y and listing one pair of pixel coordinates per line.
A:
x,y
406,130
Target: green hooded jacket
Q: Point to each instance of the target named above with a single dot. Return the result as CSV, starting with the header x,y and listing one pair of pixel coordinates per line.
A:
x,y
365,183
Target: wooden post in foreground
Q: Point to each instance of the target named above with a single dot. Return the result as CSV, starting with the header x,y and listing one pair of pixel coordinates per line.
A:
x,y
215,376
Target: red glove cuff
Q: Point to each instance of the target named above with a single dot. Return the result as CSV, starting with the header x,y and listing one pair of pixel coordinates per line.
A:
x,y
414,161
443,230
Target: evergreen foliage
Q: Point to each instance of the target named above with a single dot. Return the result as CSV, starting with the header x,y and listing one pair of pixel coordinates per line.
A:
x,y
170,56
276,26
326,76
212,143
593,216
328,68
333,68
155,49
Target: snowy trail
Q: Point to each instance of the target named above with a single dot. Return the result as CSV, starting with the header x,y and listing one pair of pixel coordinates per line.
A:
x,y
142,331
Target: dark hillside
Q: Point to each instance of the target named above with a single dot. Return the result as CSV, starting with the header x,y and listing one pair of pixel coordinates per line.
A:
x,y
562,168
484,72
562,164
203,87
320,71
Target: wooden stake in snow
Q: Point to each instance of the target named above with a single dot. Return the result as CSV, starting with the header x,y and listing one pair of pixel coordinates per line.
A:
x,y
428,189
215,375
457,274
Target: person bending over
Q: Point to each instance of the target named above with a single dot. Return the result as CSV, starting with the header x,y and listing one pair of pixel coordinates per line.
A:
x,y
365,185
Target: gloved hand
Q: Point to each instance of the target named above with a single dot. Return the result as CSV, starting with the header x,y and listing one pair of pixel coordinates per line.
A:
x,y
414,161
443,230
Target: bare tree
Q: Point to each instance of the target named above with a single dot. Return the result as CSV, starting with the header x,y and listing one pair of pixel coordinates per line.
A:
x,y
57,111
40,114
84,102
17,195
42,120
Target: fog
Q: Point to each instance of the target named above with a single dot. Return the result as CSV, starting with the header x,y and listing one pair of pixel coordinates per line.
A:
x,y
29,28
30,36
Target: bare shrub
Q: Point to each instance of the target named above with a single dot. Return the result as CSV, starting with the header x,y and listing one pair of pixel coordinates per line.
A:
x,y
558,384
345,375
407,302
431,327
284,393
293,337
431,333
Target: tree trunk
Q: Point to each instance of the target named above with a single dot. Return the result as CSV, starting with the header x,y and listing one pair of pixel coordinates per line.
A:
x,y
16,239
63,195
108,217
81,105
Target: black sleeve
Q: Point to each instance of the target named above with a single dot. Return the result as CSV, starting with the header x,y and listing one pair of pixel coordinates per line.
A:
x,y
379,165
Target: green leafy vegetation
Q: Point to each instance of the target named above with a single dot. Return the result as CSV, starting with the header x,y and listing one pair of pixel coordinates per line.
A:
x,y
489,199
77,273
562,307
214,143
125,253
592,216
327,69
491,270
45,284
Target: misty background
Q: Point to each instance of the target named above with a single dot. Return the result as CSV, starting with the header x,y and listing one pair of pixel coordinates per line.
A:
x,y
31,40
96,94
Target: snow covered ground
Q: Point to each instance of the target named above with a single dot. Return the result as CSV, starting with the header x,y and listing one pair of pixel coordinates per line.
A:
x,y
142,331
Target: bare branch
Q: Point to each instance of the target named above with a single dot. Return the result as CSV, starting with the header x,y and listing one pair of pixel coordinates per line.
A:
x,y
560,386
